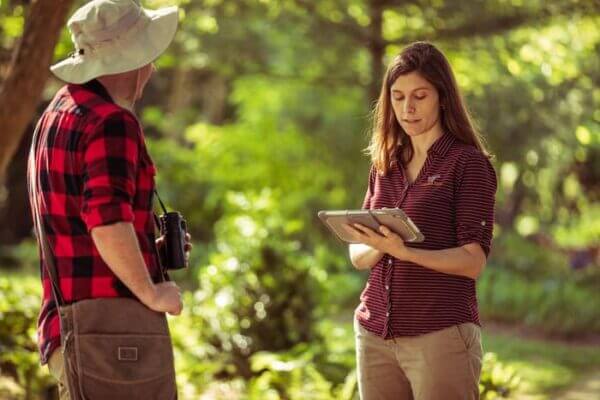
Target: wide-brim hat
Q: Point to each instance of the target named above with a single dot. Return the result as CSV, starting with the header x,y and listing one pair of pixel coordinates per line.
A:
x,y
115,36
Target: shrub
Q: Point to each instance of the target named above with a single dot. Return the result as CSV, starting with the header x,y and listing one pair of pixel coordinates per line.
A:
x,y
555,305
21,376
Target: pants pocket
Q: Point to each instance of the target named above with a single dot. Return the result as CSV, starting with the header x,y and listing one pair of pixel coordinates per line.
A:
x,y
359,331
120,367
470,335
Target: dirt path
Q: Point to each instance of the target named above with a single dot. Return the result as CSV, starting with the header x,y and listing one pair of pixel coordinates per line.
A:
x,y
587,388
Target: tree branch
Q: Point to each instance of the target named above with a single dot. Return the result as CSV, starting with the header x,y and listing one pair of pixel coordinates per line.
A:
x,y
492,25
347,25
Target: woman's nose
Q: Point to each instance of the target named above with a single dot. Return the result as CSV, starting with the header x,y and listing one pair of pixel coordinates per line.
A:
x,y
409,107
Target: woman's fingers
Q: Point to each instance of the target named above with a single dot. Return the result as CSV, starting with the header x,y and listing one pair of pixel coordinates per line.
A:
x,y
365,230
353,231
387,232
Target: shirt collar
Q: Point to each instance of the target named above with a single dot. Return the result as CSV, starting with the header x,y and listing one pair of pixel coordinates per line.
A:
x,y
95,86
442,144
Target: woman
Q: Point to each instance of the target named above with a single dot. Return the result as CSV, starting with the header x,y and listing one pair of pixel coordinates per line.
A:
x,y
417,326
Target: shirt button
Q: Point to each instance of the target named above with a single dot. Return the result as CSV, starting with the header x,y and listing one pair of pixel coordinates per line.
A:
x,y
482,223
387,314
387,287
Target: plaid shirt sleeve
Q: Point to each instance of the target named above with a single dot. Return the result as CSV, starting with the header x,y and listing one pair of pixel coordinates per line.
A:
x,y
110,167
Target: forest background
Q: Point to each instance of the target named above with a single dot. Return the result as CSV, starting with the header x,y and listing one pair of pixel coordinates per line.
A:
x,y
257,118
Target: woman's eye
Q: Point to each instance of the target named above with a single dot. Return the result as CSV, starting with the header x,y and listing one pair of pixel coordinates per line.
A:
x,y
420,97
398,98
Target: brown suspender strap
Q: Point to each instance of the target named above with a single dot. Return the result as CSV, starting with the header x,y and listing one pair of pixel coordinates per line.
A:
x,y
33,186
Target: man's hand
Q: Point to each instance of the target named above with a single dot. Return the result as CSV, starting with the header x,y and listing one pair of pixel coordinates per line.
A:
x,y
118,246
387,242
164,297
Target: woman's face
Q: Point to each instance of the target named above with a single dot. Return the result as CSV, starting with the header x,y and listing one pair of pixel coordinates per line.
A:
x,y
416,104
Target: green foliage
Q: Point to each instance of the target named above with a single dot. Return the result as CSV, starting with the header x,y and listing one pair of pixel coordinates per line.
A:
x,y
542,366
558,305
497,380
527,259
259,152
11,24
260,290
20,374
23,256
289,375
533,284
581,230
255,126
320,368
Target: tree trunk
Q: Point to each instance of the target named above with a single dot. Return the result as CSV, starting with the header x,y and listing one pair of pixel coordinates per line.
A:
x,y
15,212
512,206
376,47
20,92
215,99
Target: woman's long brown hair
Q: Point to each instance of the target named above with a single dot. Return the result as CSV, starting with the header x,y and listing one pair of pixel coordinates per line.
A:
x,y
389,141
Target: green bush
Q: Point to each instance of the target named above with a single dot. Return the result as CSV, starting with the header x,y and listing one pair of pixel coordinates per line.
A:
x,y
515,253
214,347
20,374
555,305
260,291
497,380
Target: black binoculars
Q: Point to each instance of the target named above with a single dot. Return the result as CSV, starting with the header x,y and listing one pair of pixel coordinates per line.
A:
x,y
173,228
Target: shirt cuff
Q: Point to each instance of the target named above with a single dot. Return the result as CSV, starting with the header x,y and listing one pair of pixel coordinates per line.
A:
x,y
474,235
108,214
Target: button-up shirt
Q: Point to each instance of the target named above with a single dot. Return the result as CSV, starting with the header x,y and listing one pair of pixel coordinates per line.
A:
x,y
93,170
452,203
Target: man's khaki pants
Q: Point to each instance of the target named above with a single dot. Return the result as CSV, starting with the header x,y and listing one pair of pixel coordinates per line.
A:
x,y
57,370
441,365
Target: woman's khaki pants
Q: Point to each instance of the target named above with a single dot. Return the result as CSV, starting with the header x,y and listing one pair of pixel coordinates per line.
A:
x,y
441,365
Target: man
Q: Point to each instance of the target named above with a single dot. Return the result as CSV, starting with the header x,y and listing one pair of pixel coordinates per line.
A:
x,y
96,177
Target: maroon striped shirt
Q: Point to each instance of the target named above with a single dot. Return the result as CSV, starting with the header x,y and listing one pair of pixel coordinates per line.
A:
x,y
452,203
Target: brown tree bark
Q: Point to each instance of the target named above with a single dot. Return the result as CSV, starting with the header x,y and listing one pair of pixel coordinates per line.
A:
x,y
15,213
376,46
20,92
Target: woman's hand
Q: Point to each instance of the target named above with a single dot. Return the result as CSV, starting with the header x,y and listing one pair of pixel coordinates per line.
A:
x,y
386,241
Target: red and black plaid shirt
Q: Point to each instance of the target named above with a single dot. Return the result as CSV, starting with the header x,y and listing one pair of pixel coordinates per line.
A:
x,y
94,170
452,203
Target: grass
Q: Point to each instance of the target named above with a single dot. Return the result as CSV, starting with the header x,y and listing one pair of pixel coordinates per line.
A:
x,y
545,367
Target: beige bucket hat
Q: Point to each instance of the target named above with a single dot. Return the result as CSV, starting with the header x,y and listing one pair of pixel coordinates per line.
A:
x,y
114,36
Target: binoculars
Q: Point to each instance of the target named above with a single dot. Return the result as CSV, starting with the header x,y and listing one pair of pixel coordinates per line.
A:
x,y
173,228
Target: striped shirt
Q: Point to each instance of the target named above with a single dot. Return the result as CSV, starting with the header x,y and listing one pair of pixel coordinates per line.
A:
x,y
452,203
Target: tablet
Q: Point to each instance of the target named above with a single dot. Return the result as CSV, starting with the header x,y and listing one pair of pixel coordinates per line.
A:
x,y
393,218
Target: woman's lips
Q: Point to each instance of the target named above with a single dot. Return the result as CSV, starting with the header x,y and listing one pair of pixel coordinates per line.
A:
x,y
413,121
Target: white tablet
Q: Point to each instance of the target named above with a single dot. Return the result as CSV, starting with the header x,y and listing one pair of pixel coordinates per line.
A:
x,y
393,218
